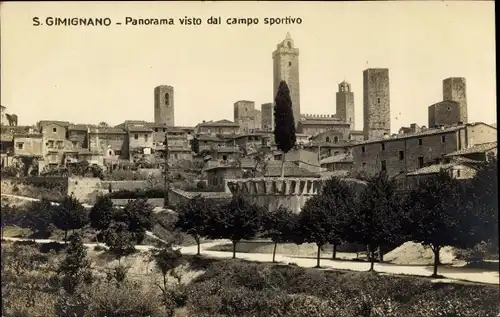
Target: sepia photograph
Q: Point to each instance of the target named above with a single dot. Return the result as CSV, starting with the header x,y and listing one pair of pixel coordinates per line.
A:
x,y
249,158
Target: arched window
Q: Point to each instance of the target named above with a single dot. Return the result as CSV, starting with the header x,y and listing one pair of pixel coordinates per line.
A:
x,y
335,139
327,139
289,44
167,99
341,88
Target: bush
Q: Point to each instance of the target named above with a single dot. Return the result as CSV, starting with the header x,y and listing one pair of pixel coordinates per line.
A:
x,y
481,251
52,246
138,193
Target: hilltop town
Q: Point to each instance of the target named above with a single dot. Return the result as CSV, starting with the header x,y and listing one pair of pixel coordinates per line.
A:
x,y
327,144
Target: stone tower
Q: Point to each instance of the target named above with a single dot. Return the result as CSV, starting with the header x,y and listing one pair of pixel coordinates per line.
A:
x,y
454,89
286,67
247,116
376,103
267,116
345,103
164,105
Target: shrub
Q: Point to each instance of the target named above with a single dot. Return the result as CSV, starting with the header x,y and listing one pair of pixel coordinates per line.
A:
x,y
52,246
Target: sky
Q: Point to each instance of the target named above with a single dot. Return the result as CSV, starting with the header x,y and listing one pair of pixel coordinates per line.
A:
x,y
93,74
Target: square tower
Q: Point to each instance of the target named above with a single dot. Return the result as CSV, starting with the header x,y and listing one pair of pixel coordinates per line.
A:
x,y
164,105
286,67
376,103
444,113
267,114
345,104
454,89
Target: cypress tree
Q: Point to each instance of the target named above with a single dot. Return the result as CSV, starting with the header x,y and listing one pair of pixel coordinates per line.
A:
x,y
284,123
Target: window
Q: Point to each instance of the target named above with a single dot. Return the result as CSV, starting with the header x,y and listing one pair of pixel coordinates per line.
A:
x,y
167,99
458,173
383,146
362,149
327,139
117,152
146,137
156,129
443,138
289,63
383,165
336,153
335,139
364,164
164,130
419,141
378,100
110,152
289,44
54,129
401,155
20,145
420,161
224,157
50,144
136,136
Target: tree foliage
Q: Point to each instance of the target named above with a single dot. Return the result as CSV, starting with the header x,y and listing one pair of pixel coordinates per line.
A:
x,y
75,265
138,215
284,122
236,220
280,226
436,214
39,218
70,215
376,219
193,217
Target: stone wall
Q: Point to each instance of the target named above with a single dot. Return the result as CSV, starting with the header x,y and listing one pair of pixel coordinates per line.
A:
x,y
85,189
273,192
52,188
124,185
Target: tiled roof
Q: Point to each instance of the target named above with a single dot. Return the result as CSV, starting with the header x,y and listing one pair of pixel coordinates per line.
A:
x,y
28,135
329,144
337,159
432,169
417,134
209,138
219,123
107,130
139,129
291,170
47,122
478,148
356,132
79,127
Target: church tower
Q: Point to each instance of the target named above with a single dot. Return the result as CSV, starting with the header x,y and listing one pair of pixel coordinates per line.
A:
x,y
286,67
164,105
345,103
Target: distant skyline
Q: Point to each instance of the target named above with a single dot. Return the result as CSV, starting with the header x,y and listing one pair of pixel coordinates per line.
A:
x,y
88,75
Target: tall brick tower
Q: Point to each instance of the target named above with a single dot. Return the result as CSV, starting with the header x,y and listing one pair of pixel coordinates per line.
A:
x,y
454,89
164,105
345,103
267,116
376,103
286,67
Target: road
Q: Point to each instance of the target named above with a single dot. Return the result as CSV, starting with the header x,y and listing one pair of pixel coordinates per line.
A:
x,y
449,273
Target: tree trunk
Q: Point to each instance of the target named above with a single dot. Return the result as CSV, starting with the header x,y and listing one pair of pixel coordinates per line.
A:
x,y
334,251
380,254
318,257
371,256
274,252
198,245
283,165
435,250
234,249
65,236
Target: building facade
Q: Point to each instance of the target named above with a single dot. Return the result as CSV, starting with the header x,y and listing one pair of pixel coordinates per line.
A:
x,y
245,114
220,127
454,89
403,153
164,105
286,67
376,103
345,104
444,113
315,124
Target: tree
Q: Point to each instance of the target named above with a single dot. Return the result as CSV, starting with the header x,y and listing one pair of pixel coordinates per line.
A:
x,y
101,214
69,215
279,225
376,220
39,217
236,220
284,123
75,264
193,217
338,196
138,214
436,214
166,260
119,239
103,124
314,224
